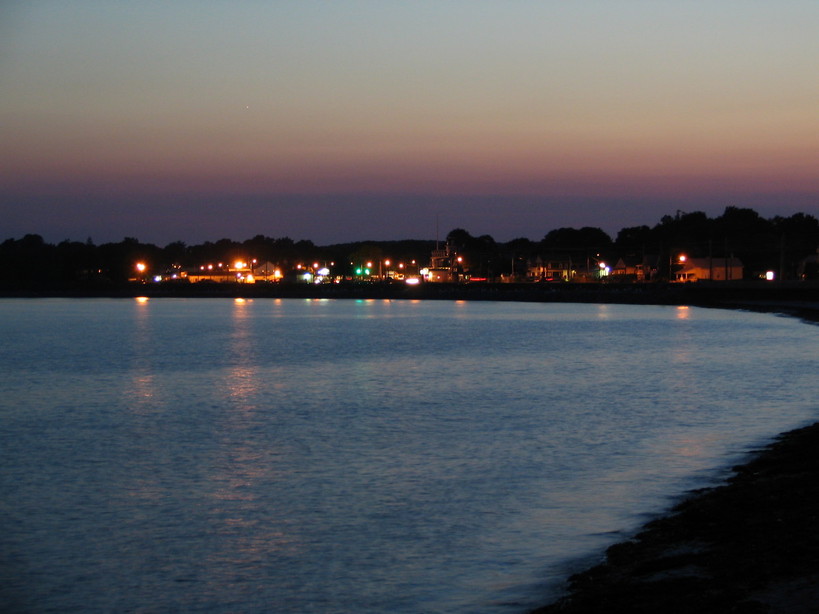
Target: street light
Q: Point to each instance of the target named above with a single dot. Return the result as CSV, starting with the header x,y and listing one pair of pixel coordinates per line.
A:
x,y
681,259
459,268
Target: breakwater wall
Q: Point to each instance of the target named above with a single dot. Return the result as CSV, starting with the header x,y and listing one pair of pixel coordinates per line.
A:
x,y
789,297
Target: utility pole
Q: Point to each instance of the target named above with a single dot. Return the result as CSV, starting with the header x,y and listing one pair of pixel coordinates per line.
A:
x,y
782,257
710,261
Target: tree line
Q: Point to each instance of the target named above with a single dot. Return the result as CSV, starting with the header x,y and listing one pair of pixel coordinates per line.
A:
x,y
779,243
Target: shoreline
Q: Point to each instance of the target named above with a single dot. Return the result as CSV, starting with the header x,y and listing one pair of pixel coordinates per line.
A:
x,y
747,545
795,299
660,293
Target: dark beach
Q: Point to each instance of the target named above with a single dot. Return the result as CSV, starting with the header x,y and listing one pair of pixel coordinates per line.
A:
x,y
749,545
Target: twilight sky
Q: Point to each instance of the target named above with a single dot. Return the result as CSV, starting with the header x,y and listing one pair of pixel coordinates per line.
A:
x,y
353,120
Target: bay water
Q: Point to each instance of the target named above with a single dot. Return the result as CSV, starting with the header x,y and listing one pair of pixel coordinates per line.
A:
x,y
215,455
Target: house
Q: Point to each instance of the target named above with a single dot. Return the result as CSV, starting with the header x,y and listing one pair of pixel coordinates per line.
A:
x,y
635,268
552,268
213,275
267,271
809,267
714,269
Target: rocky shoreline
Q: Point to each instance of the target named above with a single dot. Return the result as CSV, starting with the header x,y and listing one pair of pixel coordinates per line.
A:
x,y
750,545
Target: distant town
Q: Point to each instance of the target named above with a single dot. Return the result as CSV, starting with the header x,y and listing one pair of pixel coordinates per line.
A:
x,y
683,247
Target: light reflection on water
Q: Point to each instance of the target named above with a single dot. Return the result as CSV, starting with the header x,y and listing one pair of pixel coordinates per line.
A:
x,y
360,456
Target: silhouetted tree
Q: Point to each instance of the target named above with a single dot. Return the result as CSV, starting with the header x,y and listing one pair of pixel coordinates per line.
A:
x,y
366,253
779,243
26,260
586,238
636,240
798,237
458,239
176,253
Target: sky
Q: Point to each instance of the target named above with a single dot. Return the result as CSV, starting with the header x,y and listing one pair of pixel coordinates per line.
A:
x,y
343,121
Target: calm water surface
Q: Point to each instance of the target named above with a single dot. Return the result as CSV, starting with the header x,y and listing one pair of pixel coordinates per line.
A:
x,y
360,456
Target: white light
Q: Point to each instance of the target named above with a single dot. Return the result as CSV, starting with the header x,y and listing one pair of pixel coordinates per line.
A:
x,y
770,275
413,281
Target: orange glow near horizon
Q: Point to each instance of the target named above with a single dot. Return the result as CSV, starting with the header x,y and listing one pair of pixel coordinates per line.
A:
x,y
564,168
659,105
